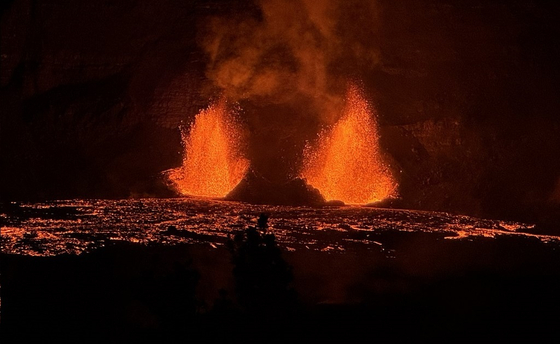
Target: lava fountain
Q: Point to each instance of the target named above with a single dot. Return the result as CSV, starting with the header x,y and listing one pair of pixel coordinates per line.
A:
x,y
213,163
346,163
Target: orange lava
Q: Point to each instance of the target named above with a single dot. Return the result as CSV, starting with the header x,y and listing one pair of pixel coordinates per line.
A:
x,y
346,163
213,163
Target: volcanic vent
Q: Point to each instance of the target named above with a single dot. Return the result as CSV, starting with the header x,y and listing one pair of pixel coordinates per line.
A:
x,y
346,162
213,163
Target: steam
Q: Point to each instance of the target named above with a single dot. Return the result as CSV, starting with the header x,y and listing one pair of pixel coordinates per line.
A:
x,y
292,50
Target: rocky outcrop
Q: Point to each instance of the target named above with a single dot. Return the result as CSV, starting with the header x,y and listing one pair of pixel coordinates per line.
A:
x,y
256,189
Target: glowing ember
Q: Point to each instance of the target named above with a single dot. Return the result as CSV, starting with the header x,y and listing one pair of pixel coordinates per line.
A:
x,y
346,164
213,164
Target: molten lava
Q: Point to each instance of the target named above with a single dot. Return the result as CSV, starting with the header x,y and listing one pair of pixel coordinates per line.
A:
x,y
213,163
347,164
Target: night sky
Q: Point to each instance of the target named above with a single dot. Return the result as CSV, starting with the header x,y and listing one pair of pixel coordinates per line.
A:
x,y
466,92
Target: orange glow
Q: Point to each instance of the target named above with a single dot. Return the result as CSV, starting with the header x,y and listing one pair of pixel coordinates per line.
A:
x,y
346,164
212,164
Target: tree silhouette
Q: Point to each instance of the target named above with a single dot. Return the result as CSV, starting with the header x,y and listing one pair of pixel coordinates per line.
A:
x,y
262,276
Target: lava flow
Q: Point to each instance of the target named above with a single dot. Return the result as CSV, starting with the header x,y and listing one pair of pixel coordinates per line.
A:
x,y
346,162
213,163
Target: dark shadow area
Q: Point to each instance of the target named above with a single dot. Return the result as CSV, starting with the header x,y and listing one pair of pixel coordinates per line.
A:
x,y
117,292
415,287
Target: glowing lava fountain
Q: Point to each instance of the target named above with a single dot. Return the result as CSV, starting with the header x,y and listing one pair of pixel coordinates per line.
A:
x,y
346,163
213,163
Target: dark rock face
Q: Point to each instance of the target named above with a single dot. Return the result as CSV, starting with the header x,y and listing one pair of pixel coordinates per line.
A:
x,y
256,189
91,102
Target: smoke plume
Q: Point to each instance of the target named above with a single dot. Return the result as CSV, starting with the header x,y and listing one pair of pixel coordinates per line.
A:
x,y
292,51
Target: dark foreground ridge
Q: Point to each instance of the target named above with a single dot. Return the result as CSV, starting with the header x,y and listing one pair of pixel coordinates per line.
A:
x,y
422,288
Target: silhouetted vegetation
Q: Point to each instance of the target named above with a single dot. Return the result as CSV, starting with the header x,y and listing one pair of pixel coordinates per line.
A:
x,y
416,287
262,277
